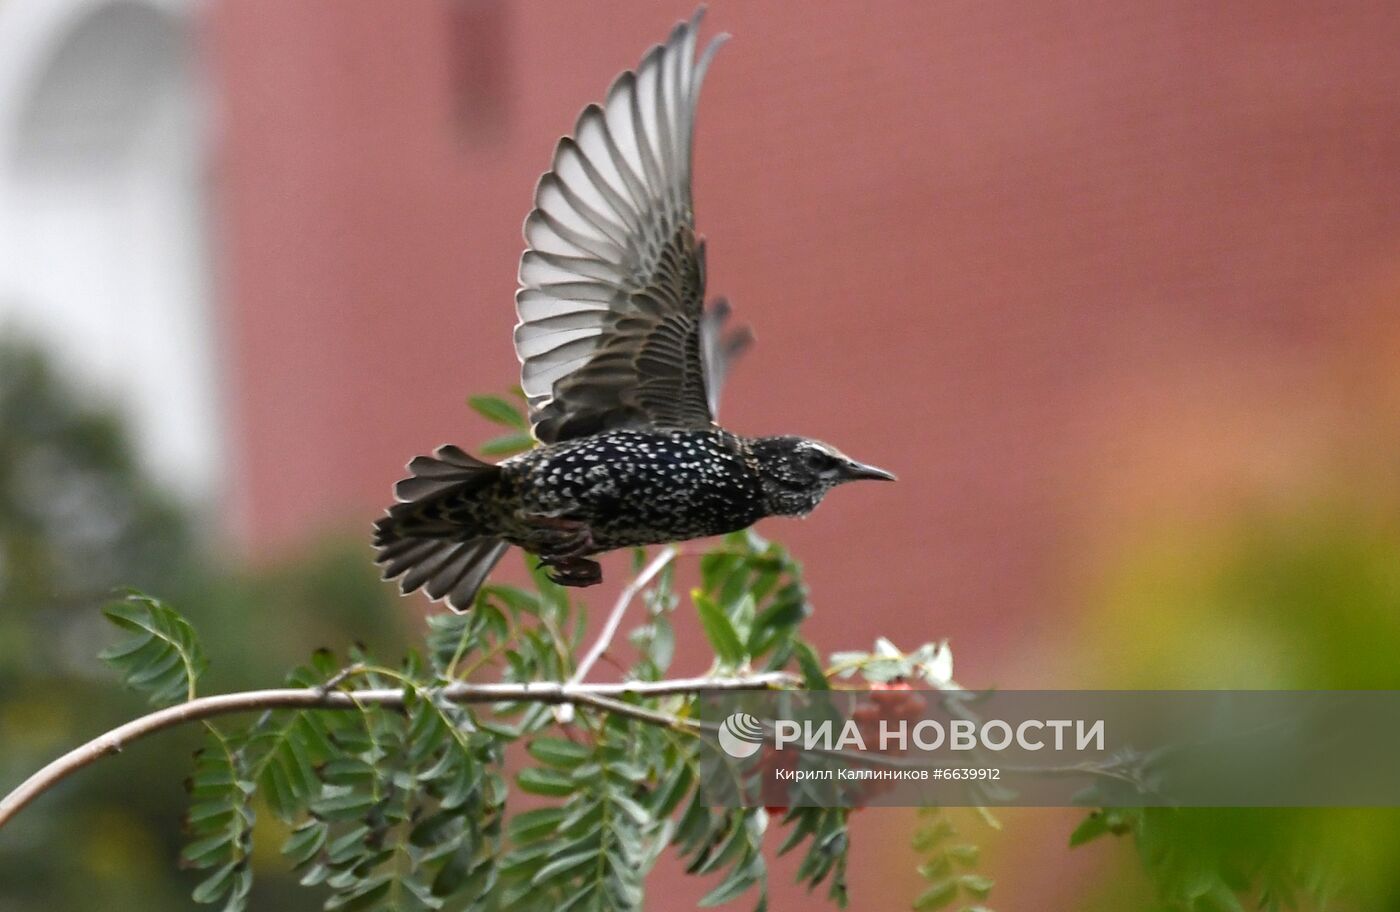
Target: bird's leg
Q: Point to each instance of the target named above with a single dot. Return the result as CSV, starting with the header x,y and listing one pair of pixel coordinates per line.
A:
x,y
573,571
561,544
556,538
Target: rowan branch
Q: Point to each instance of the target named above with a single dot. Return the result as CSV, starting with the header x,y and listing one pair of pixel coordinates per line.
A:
x,y
600,696
629,592
564,713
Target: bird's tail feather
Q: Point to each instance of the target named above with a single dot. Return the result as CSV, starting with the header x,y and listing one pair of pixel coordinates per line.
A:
x,y
427,539
445,570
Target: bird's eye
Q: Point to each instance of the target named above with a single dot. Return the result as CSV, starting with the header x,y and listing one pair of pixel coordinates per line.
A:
x,y
818,459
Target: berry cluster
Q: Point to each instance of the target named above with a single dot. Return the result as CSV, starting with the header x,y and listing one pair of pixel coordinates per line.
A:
x,y
890,701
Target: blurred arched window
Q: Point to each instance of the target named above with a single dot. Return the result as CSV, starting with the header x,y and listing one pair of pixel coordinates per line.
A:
x,y
102,215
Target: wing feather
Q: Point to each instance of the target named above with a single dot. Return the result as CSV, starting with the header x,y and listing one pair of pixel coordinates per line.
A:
x,y
613,331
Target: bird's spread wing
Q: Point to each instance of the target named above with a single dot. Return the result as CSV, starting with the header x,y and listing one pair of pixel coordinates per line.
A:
x,y
613,332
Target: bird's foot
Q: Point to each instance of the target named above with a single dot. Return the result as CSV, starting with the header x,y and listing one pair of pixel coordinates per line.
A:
x,y
561,544
573,571
555,538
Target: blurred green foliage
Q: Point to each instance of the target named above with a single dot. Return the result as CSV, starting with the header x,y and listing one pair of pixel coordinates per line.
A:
x,y
384,808
1307,597
404,807
78,517
1303,597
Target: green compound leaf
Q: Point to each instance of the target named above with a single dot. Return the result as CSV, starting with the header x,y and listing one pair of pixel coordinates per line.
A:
x,y
943,859
162,658
220,825
593,849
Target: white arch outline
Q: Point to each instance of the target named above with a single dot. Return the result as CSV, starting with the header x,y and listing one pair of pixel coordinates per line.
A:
x,y
33,35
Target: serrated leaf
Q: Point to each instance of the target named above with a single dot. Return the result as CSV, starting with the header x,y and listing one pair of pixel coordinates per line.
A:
x,y
162,658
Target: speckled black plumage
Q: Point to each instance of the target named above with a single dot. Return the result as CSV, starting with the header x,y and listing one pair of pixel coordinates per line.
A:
x,y
621,365
629,487
616,489
637,487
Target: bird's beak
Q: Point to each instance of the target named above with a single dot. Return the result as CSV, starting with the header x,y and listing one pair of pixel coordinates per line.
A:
x,y
856,471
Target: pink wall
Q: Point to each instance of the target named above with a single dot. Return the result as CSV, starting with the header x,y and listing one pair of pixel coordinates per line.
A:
x,y
1039,260
967,235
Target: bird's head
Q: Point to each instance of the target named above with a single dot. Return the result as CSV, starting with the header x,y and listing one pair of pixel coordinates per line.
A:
x,y
797,472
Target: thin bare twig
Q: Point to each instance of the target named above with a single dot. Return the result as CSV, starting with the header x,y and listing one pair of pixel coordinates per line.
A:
x,y
564,713
600,696
624,599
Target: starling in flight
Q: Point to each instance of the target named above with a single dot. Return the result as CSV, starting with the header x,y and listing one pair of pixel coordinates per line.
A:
x,y
621,364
